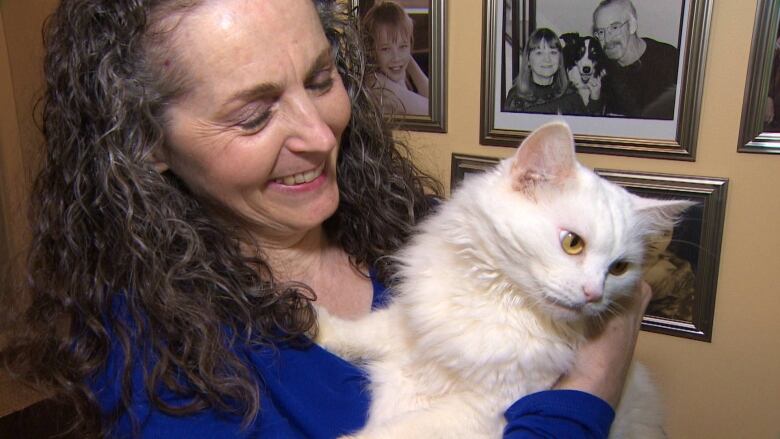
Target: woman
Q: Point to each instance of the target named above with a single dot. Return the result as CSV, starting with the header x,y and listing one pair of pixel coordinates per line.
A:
x,y
543,85
209,167
397,80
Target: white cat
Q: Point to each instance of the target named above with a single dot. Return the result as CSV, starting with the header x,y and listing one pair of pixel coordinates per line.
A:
x,y
494,293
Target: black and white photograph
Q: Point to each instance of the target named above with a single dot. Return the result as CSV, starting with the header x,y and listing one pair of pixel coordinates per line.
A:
x,y
760,132
622,73
403,40
595,61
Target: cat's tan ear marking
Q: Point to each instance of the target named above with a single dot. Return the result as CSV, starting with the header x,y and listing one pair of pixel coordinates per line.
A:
x,y
546,155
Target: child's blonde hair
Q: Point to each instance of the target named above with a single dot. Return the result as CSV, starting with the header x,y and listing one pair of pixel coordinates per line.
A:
x,y
390,16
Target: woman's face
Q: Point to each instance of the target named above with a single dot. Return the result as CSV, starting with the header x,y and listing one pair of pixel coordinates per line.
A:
x,y
544,62
392,54
258,133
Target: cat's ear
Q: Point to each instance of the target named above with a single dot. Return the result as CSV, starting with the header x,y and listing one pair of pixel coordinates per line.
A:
x,y
660,216
546,155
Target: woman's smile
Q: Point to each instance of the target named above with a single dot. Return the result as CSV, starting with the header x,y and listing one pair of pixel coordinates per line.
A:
x,y
259,133
302,179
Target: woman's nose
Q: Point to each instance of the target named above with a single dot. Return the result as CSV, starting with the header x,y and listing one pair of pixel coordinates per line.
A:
x,y
309,131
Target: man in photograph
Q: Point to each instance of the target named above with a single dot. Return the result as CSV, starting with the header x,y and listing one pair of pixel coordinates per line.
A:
x,y
641,76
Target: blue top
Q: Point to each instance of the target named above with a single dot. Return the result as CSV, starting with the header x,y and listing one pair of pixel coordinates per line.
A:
x,y
311,393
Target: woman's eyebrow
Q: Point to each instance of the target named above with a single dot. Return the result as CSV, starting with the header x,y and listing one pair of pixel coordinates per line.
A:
x,y
265,89
271,89
323,60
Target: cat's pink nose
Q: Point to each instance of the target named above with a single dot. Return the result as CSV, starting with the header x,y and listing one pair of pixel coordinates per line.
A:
x,y
592,294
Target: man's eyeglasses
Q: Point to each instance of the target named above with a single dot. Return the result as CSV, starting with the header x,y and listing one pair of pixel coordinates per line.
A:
x,y
612,29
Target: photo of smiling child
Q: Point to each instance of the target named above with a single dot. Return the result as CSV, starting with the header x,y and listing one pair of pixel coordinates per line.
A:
x,y
544,86
396,78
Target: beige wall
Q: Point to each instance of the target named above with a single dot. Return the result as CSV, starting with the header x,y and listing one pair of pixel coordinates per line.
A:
x,y
729,388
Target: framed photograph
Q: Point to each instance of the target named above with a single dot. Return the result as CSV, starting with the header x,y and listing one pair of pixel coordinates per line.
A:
x,y
760,131
682,268
404,41
683,272
464,165
626,76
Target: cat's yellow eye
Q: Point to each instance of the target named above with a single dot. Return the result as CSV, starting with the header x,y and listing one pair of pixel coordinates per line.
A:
x,y
618,268
571,242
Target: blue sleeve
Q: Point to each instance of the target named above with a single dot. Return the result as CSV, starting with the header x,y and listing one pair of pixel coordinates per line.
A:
x,y
559,414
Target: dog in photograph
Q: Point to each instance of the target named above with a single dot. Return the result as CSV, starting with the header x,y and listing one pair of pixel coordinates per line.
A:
x,y
585,61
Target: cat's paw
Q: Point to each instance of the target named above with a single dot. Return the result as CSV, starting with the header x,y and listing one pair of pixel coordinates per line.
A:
x,y
324,329
338,336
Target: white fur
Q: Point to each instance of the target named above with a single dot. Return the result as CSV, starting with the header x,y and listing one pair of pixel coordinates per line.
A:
x,y
471,327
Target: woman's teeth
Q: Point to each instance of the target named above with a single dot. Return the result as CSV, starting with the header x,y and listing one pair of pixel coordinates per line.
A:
x,y
303,177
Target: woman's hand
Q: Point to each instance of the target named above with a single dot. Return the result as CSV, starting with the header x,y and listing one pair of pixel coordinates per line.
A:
x,y
602,363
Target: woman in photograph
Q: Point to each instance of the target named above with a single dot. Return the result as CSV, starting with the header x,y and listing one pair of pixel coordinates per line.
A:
x,y
210,170
543,85
396,79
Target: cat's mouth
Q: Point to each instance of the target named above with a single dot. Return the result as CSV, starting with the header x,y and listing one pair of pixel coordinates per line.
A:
x,y
569,311
558,304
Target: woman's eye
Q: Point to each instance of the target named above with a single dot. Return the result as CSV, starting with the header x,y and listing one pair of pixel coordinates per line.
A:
x,y
571,243
322,82
256,121
618,268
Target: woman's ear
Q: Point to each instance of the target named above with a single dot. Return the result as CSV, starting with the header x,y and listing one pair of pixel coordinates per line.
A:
x,y
158,160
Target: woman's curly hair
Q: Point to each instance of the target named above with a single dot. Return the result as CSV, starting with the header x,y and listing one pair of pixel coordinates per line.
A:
x,y
126,259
